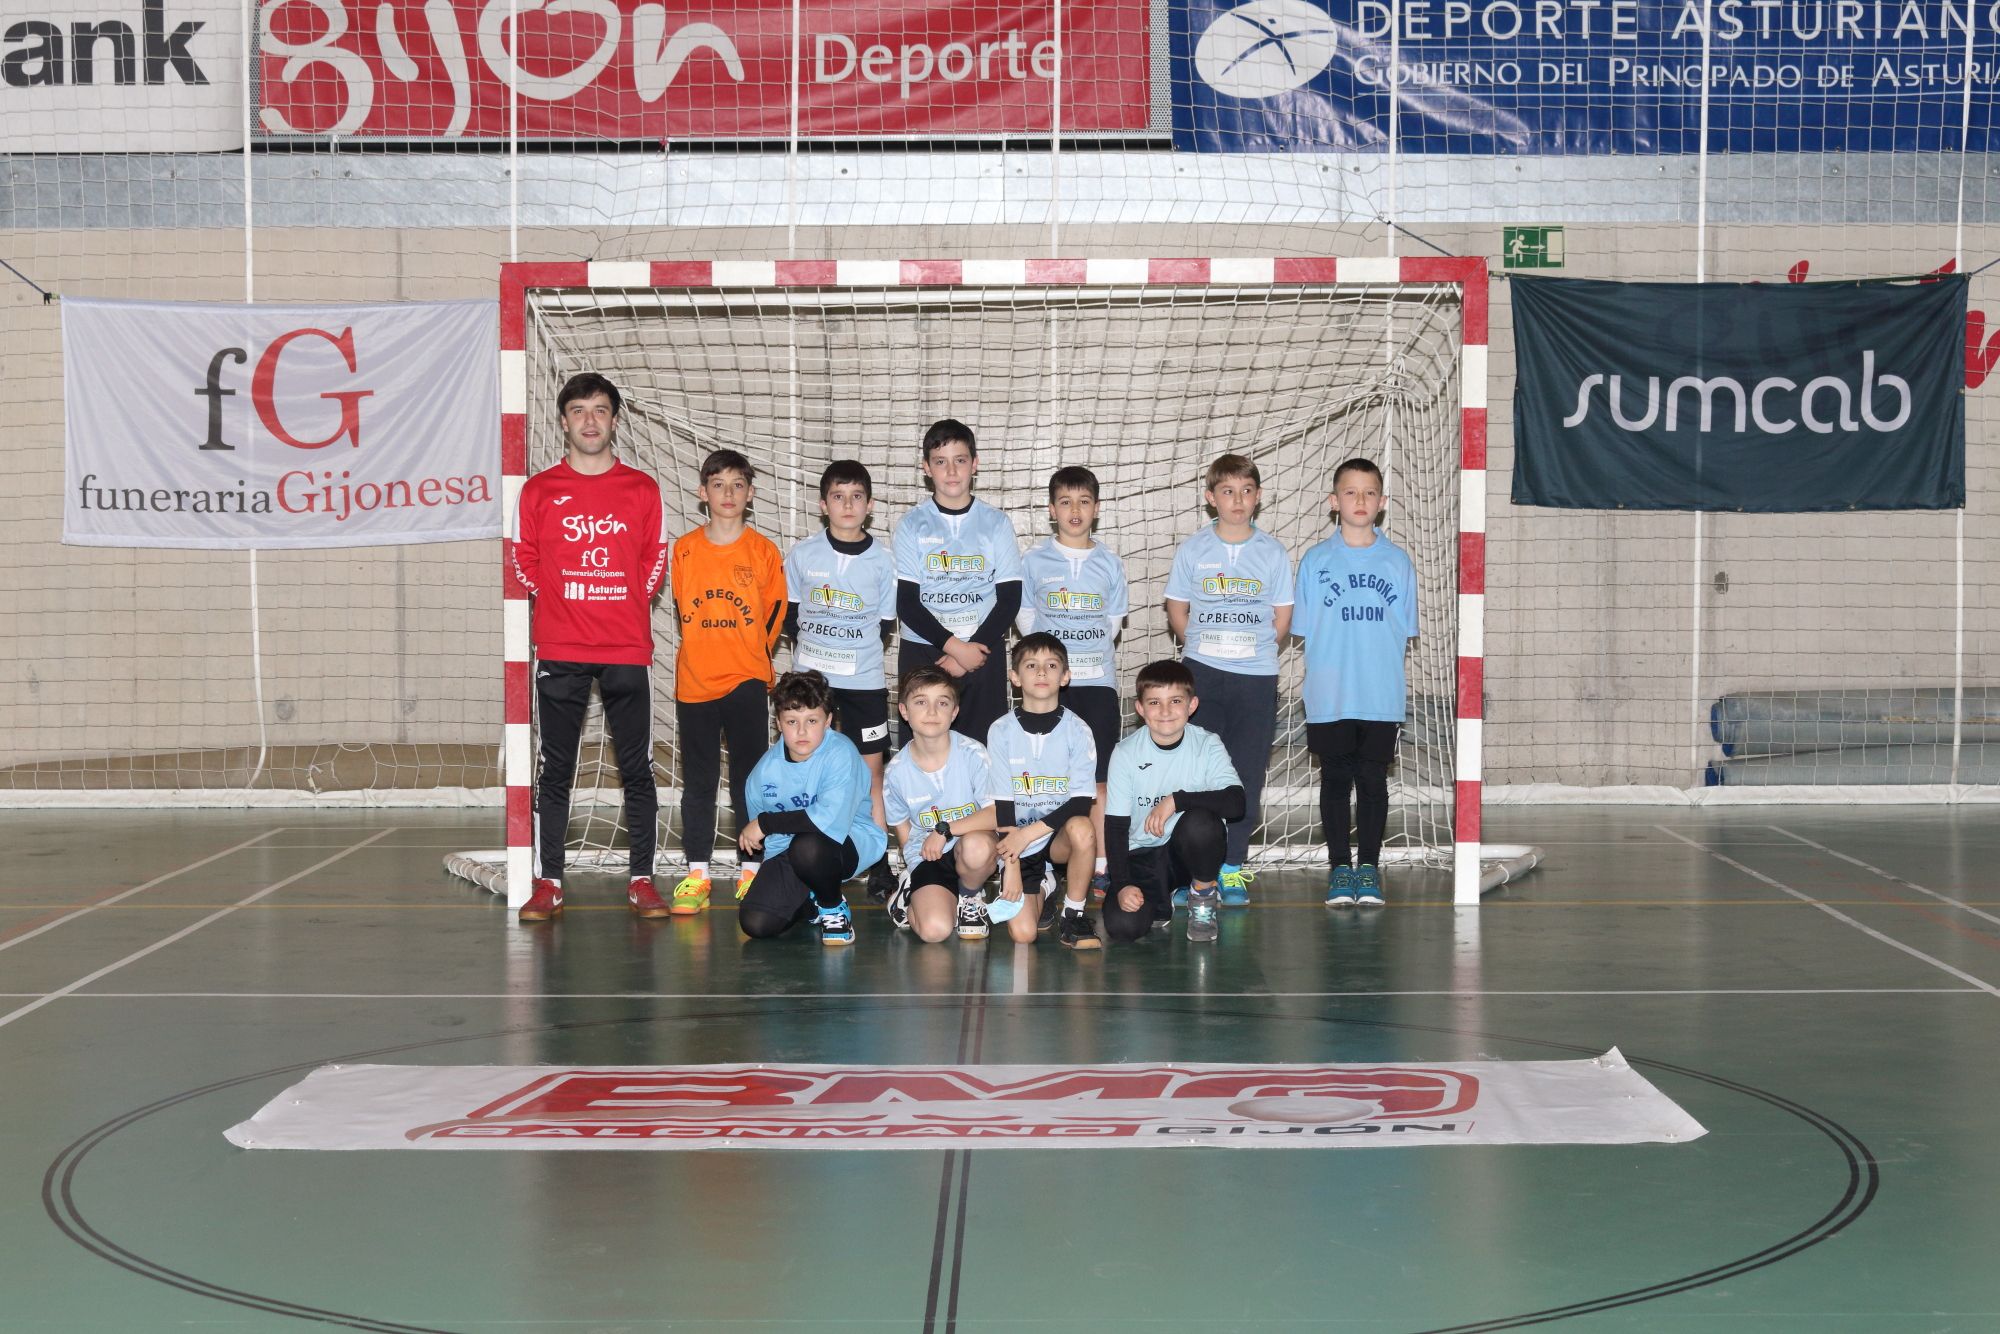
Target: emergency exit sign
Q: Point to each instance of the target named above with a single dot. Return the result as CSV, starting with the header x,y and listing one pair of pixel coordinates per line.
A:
x,y
1533,248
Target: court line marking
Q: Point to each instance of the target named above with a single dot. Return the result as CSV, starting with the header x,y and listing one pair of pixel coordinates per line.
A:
x,y
1838,915
1890,876
183,933
962,995
12,941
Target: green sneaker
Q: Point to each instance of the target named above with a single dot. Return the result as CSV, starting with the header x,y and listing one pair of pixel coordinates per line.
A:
x,y
1236,887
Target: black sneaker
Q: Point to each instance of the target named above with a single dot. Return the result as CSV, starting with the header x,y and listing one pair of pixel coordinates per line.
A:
x,y
881,881
1051,906
972,923
1076,931
898,905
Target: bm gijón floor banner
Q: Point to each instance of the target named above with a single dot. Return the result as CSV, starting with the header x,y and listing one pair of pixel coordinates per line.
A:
x,y
273,426
1737,396
1138,1105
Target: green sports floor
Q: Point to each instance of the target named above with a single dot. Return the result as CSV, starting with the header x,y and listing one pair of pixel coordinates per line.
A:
x,y
1820,987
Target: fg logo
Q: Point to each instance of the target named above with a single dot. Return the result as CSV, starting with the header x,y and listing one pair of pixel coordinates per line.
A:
x,y
597,558
1266,47
264,391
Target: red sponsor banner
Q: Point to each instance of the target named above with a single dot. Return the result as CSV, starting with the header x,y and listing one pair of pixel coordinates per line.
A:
x,y
996,1106
628,69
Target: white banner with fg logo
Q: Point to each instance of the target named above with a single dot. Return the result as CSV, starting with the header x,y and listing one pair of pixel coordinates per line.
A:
x,y
270,426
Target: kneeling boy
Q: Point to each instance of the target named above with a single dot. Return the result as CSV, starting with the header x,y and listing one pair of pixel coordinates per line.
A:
x,y
1170,792
808,799
1044,784
938,793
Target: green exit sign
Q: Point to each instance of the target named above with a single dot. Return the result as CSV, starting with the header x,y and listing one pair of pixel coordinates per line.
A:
x,y
1533,248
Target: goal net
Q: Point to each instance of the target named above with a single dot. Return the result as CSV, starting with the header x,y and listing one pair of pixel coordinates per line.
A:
x,y
1092,363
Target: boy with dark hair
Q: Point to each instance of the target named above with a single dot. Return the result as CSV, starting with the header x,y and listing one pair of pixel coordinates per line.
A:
x,y
938,791
1044,779
590,547
841,584
729,594
1229,600
1357,615
1074,587
958,579
808,799
1171,789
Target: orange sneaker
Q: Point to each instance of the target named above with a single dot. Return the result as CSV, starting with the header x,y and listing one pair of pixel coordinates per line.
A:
x,y
544,903
690,895
645,900
744,879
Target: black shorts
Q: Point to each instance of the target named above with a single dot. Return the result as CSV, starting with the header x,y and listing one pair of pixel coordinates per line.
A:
x,y
1372,741
1099,708
943,873
863,718
1034,867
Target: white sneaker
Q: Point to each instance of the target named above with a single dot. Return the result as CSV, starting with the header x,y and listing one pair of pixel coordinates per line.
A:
x,y
971,917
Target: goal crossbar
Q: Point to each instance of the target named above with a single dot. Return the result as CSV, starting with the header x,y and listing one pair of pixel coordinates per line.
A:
x,y
817,280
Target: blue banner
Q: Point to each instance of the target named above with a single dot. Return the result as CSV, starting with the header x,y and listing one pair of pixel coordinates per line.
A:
x,y
1580,76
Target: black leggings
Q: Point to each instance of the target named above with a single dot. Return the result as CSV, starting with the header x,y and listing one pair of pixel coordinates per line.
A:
x,y
1192,852
794,885
1243,711
1370,784
739,716
562,694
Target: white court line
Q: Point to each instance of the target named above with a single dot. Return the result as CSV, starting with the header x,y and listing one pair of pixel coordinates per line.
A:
x,y
184,932
136,889
967,995
1838,915
1891,877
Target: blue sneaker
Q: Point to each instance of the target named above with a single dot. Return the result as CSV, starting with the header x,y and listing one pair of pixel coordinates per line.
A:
x,y
1180,897
1368,887
836,925
1340,887
1100,885
1236,887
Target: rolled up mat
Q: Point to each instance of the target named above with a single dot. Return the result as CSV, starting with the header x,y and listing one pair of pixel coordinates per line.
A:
x,y
1978,762
1784,722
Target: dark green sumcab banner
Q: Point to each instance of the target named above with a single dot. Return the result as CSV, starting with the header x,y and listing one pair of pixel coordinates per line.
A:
x,y
1739,396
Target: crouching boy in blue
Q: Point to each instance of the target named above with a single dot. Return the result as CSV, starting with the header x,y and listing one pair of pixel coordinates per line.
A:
x,y
1170,792
809,799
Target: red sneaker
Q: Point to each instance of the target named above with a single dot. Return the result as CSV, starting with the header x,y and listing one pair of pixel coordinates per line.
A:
x,y
544,903
645,900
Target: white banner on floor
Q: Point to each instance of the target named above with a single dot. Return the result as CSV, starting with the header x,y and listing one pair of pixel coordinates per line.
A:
x,y
1601,1101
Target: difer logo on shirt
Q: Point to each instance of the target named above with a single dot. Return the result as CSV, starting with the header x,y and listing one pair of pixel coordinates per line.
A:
x,y
1266,47
1041,785
1063,599
1229,586
929,819
826,595
943,562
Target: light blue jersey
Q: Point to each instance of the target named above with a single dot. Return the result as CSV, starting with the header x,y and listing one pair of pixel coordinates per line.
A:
x,y
959,791
1080,597
1142,773
1040,773
830,786
1357,612
956,561
842,601
1233,591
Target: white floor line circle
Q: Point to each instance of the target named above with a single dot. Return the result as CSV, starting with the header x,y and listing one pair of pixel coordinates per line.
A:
x,y
136,889
186,931
1891,877
1837,915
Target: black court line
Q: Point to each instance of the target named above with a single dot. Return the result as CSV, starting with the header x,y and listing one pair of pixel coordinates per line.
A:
x,y
971,1035
1863,1172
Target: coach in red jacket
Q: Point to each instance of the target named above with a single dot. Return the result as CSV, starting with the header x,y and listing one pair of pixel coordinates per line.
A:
x,y
592,550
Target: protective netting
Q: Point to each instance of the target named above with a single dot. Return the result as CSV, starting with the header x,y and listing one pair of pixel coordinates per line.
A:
x,y
332,150
1145,386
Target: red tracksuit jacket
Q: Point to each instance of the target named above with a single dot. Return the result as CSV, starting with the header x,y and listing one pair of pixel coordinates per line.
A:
x,y
593,551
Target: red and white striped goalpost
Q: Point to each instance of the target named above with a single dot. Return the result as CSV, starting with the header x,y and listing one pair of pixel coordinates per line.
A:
x,y
1468,275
